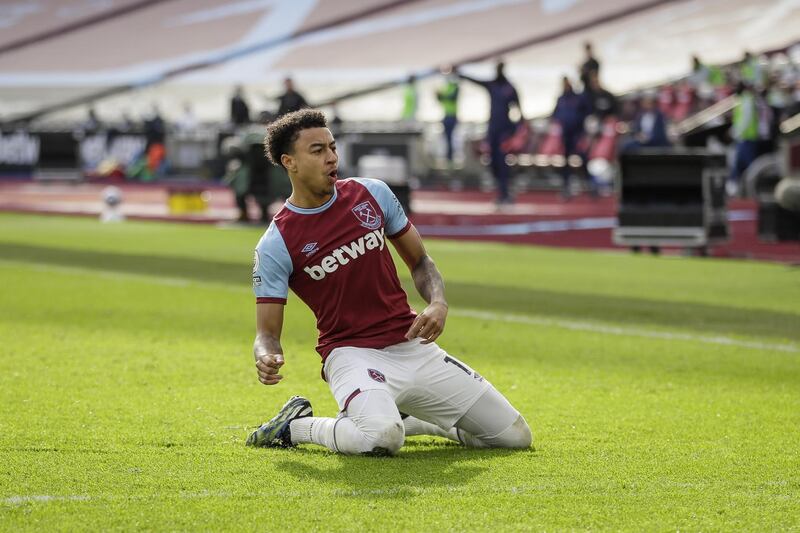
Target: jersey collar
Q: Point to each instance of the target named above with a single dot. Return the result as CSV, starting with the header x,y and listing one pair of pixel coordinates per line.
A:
x,y
312,210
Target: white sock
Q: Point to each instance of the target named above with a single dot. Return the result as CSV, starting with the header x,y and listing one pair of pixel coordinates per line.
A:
x,y
314,429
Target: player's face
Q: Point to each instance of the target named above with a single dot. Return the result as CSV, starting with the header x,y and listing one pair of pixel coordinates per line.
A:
x,y
315,162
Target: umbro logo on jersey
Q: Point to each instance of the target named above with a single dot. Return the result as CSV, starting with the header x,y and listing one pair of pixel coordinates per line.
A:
x,y
344,254
367,215
310,249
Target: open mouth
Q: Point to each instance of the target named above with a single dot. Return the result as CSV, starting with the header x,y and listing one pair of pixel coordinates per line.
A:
x,y
333,174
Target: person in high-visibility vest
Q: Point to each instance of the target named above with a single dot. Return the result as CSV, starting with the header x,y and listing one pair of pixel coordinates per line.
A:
x,y
745,133
750,71
448,97
410,99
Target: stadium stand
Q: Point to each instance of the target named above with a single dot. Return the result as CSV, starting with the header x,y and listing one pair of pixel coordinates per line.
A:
x,y
698,105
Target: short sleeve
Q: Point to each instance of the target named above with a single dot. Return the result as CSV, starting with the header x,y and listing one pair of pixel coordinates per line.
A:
x,y
272,267
396,219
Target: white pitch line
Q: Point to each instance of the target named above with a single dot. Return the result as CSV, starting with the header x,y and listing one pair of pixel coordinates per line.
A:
x,y
44,498
608,329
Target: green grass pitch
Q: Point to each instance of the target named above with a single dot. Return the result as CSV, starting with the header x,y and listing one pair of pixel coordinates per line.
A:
x,y
663,393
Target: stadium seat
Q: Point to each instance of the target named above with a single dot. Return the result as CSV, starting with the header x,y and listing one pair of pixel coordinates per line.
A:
x,y
606,144
666,100
684,102
552,143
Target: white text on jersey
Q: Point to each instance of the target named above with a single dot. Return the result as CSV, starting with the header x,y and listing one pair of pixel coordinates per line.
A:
x,y
343,254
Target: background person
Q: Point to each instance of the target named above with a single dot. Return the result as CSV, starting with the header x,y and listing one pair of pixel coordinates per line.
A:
x,y
571,110
290,100
649,128
745,134
502,97
240,111
410,99
590,66
448,98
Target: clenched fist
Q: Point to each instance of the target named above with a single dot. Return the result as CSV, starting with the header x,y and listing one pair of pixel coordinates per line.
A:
x,y
268,366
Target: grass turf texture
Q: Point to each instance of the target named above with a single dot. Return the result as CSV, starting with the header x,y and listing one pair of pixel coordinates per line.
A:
x,y
127,389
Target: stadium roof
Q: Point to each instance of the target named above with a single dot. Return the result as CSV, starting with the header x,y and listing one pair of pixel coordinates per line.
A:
x,y
51,51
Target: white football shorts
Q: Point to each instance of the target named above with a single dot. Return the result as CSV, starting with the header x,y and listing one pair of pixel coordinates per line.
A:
x,y
424,380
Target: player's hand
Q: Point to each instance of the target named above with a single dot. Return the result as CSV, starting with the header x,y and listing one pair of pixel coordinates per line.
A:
x,y
268,366
429,324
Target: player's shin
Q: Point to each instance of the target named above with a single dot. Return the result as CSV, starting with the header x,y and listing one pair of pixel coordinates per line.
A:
x,y
415,426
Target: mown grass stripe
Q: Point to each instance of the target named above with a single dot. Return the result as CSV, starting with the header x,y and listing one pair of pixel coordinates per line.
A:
x,y
609,329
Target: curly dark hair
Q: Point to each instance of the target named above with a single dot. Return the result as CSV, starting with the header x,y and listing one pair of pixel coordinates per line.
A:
x,y
282,133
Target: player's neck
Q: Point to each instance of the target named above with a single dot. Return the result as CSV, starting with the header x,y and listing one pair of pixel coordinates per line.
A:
x,y
307,200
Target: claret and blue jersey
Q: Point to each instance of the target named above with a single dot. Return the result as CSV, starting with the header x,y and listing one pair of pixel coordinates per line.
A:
x,y
335,258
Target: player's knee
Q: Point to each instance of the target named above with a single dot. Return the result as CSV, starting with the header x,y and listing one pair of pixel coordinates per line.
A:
x,y
517,435
385,436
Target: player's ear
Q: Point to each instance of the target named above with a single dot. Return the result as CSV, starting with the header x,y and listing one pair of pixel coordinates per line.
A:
x,y
288,162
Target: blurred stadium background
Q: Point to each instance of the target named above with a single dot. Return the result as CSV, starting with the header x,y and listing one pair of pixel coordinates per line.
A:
x,y
130,92
329,52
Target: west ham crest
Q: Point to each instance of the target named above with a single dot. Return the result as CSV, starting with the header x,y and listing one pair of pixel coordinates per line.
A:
x,y
377,376
369,217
